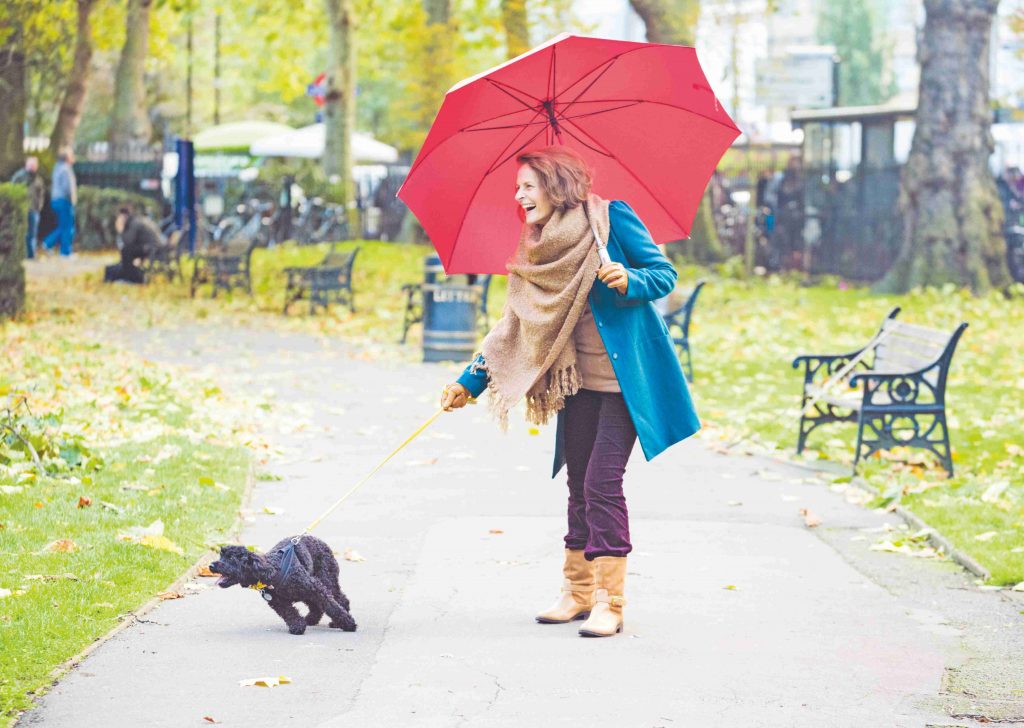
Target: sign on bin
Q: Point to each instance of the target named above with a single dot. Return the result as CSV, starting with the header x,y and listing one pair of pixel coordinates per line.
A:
x,y
449,321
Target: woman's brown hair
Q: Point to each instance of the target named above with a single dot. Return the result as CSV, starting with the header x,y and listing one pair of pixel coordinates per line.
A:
x,y
564,175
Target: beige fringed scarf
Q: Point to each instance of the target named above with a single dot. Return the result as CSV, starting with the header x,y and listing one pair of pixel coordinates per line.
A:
x,y
530,352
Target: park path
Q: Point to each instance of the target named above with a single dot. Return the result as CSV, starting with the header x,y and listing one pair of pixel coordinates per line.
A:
x,y
738,614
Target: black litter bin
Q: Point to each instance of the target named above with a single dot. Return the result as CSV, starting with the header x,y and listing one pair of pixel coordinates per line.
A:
x,y
449,321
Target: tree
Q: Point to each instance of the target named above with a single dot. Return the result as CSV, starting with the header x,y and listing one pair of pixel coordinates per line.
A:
x,y
850,26
340,100
74,95
517,29
12,89
952,219
129,121
675,21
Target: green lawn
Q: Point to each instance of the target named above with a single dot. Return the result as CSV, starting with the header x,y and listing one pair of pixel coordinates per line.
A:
x,y
745,336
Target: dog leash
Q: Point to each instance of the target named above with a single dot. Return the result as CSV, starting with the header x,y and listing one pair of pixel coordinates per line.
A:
x,y
288,553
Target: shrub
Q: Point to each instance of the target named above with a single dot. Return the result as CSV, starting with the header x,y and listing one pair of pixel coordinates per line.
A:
x,y
94,215
13,228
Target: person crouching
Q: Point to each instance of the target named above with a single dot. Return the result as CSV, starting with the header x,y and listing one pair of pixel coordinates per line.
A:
x,y
138,237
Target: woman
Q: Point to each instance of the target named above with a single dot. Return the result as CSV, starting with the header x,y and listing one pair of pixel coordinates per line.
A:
x,y
596,354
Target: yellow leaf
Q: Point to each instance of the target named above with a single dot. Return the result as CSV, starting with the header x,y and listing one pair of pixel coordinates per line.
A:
x,y
62,546
265,682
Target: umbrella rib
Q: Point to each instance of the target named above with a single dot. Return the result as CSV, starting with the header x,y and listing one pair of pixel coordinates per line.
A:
x,y
634,175
662,103
495,118
601,111
607,65
508,126
455,241
504,88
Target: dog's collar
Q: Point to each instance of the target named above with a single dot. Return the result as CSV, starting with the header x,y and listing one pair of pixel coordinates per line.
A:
x,y
263,589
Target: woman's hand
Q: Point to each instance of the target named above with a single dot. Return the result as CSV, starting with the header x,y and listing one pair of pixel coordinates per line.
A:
x,y
453,397
614,276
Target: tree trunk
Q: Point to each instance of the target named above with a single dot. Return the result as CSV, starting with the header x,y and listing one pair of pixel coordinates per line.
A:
x,y
129,122
669,21
952,218
340,99
675,22
517,30
74,95
12,120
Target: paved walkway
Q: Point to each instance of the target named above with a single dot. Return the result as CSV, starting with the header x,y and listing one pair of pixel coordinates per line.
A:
x,y
738,614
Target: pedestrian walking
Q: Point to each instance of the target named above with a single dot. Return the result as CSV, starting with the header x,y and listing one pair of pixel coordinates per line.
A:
x,y
63,198
30,177
582,341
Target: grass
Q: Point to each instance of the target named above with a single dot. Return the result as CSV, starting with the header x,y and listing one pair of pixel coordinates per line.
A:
x,y
746,334
133,442
69,599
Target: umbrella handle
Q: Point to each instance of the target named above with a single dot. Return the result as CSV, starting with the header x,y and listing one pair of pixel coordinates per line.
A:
x,y
602,249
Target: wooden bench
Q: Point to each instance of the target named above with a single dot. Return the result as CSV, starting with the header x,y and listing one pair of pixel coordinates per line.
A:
x,y
329,281
414,305
678,323
901,375
225,267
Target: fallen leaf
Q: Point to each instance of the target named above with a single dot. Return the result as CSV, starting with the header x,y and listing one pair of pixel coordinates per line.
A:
x,y
496,530
84,501
151,536
352,555
61,546
811,519
4,593
534,431
987,536
273,510
165,596
992,493
10,489
208,719
1019,587
205,571
734,503
265,682
730,587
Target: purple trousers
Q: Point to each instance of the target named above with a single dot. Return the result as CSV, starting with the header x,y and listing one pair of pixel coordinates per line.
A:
x,y
599,437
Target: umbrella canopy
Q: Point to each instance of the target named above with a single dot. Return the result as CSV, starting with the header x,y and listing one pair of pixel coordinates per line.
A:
x,y
308,142
642,114
236,136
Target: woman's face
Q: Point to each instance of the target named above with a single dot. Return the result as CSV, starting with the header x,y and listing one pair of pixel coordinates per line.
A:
x,y
532,197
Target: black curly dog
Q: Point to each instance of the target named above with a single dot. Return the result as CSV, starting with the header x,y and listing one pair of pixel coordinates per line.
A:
x,y
313,579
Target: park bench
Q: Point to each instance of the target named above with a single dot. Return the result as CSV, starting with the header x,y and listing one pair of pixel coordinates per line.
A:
x,y
678,323
901,375
329,281
165,259
414,305
225,266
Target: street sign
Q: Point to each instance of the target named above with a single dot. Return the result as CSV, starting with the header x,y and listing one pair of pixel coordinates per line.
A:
x,y
318,89
797,79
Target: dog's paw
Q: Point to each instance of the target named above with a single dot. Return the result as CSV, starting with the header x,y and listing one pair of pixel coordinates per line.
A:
x,y
350,627
297,629
312,619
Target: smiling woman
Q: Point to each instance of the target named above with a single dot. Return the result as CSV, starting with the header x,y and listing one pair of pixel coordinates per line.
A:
x,y
582,341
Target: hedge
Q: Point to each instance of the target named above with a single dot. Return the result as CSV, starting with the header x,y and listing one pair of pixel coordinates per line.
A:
x,y
94,215
13,228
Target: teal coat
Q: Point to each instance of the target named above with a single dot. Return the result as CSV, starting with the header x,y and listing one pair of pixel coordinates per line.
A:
x,y
637,341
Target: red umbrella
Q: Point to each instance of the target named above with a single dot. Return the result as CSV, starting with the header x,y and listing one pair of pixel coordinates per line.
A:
x,y
642,114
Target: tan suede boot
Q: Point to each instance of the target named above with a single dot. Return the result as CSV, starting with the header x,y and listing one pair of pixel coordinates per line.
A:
x,y
606,617
577,591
